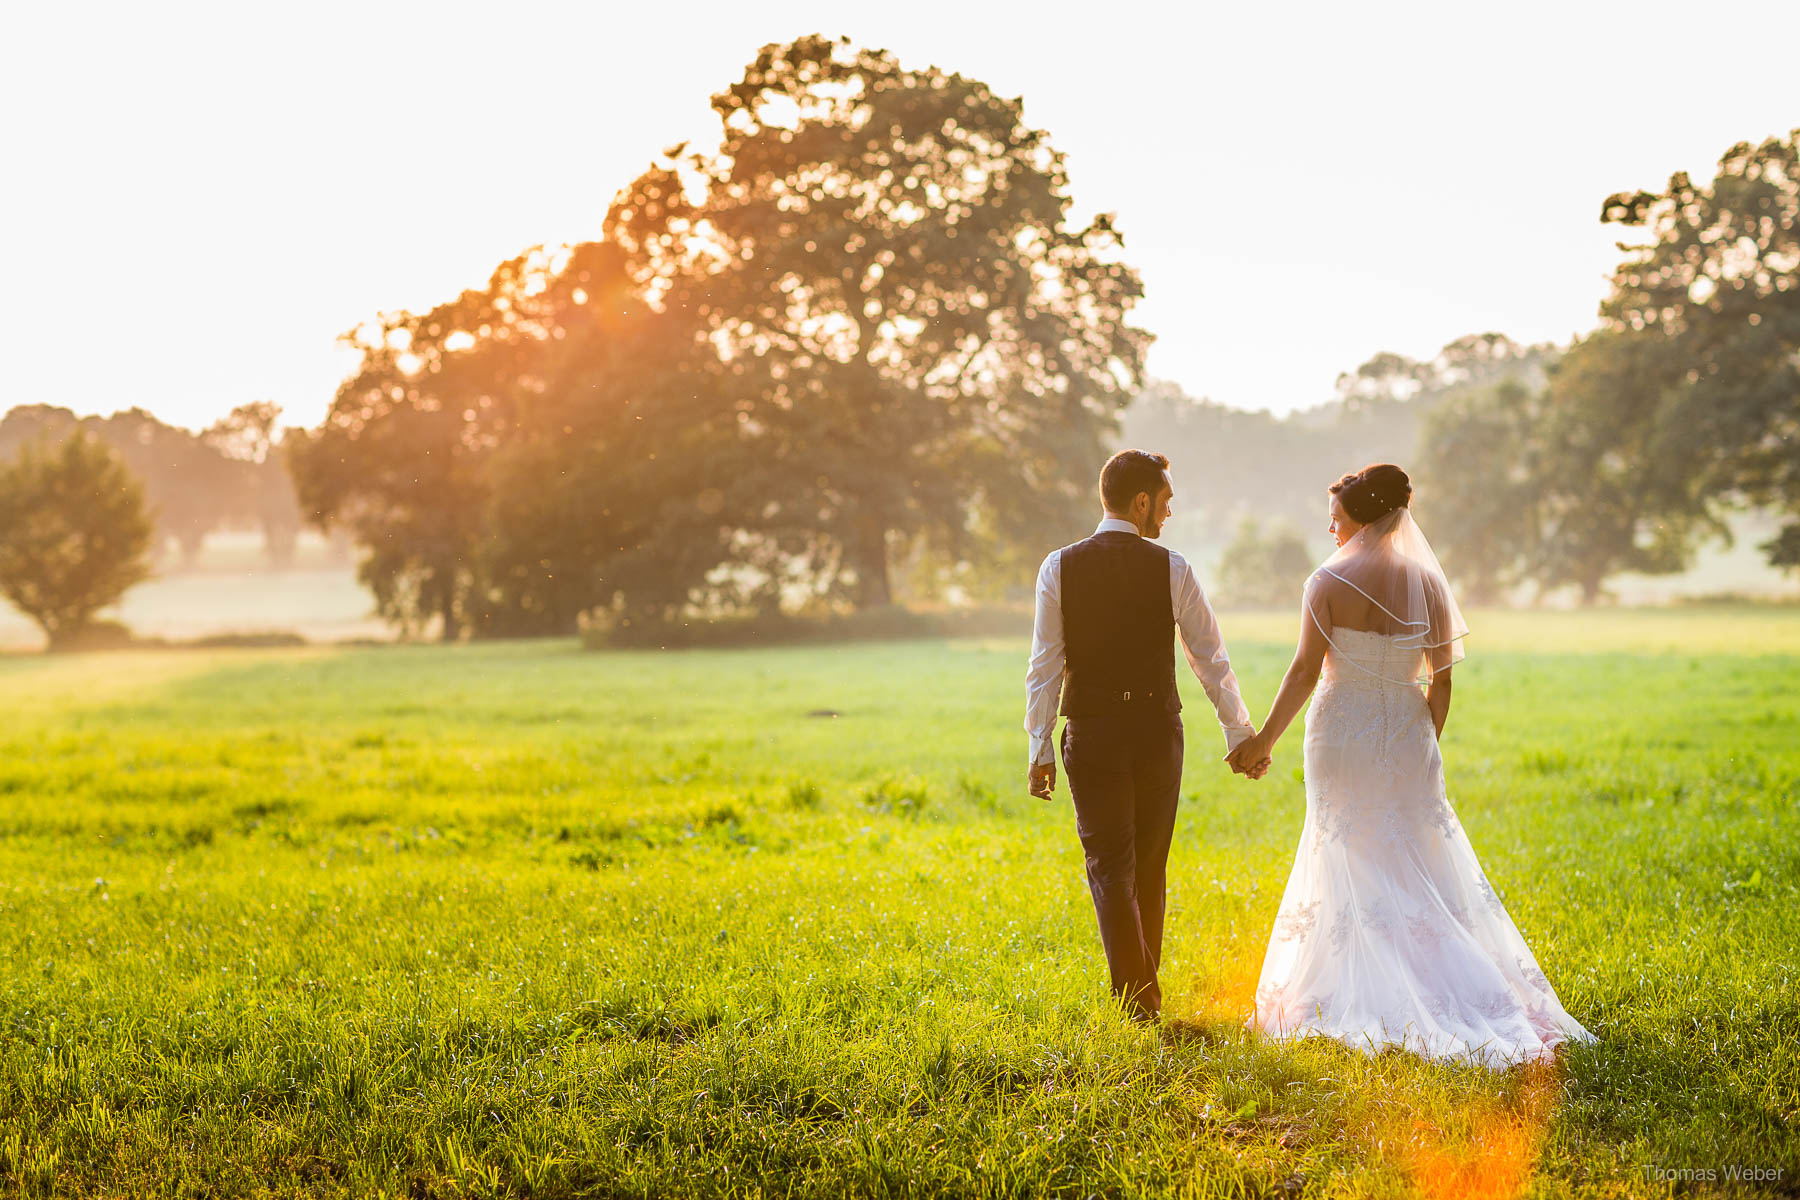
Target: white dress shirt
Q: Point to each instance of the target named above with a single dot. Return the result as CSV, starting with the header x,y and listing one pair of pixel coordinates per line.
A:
x,y
1200,641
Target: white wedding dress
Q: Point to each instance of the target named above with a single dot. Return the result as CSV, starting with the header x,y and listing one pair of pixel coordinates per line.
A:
x,y
1388,933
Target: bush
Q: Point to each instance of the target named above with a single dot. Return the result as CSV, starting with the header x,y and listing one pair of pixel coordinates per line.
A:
x,y
890,621
902,797
977,791
96,635
74,537
264,640
804,794
113,635
1263,569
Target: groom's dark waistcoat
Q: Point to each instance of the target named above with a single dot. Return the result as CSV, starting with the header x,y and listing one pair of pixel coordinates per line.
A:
x,y
1118,626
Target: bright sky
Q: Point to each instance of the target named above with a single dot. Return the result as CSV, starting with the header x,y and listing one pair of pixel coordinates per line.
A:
x,y
201,197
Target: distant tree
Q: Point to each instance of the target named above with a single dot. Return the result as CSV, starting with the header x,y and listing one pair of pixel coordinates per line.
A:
x,y
1387,378
1784,548
1383,420
525,453
189,485
1718,286
1229,462
74,533
399,458
1254,462
247,433
277,503
1611,468
916,341
234,471
1561,486
1474,487
1263,568
1480,360
30,424
249,438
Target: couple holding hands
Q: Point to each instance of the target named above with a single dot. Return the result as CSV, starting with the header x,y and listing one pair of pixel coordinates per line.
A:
x,y
1388,932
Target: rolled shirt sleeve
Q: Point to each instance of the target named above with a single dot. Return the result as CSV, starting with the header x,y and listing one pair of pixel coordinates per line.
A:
x,y
1204,646
1043,680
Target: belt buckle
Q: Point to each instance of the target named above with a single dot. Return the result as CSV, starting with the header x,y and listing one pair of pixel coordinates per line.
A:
x,y
1126,696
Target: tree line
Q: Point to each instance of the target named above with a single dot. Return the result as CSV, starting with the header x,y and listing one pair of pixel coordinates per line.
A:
x,y
1277,467
232,473
1559,466
860,353
1679,409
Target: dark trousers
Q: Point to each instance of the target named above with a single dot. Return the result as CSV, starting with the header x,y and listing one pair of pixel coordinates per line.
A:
x,y
1124,773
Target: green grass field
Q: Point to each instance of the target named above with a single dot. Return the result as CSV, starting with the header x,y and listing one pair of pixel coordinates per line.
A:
x,y
517,919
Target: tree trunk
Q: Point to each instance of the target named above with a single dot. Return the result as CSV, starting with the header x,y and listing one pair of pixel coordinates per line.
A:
x,y
279,541
447,608
192,541
869,556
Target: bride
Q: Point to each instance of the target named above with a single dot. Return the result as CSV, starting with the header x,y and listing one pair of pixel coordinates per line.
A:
x,y
1388,933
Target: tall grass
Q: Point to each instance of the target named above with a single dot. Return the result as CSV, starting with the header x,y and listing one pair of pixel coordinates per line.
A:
x,y
524,920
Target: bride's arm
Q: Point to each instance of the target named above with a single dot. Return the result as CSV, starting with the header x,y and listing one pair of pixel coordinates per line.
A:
x,y
1437,696
1440,655
1302,676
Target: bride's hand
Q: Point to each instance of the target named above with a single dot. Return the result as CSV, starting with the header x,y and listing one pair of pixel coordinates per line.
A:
x,y
1251,758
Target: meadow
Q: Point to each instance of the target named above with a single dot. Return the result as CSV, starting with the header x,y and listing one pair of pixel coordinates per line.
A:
x,y
525,920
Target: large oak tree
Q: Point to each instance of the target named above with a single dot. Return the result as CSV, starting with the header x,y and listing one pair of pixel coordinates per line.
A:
x,y
1718,286
916,341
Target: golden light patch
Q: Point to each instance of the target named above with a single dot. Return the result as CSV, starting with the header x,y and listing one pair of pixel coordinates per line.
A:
x,y
1488,1151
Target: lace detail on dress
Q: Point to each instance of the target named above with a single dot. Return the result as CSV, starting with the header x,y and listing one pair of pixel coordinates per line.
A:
x,y
1340,928
1427,927
1528,970
1381,917
1495,1005
1490,895
1296,924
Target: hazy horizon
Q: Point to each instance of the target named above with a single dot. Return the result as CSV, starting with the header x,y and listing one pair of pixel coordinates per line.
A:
x,y
217,193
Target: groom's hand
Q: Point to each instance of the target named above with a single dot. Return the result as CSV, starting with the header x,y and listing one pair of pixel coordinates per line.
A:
x,y
1250,759
1043,780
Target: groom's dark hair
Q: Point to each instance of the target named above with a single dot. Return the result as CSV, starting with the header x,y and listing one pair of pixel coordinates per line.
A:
x,y
1126,474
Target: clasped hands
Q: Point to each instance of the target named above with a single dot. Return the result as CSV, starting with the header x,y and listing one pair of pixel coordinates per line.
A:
x,y
1251,759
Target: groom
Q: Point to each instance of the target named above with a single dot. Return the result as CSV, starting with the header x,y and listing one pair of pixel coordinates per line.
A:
x,y
1107,610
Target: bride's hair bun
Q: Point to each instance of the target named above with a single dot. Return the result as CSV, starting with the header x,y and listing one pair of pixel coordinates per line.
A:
x,y
1373,492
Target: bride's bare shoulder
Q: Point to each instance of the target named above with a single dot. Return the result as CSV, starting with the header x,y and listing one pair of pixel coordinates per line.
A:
x,y
1323,595
1322,583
